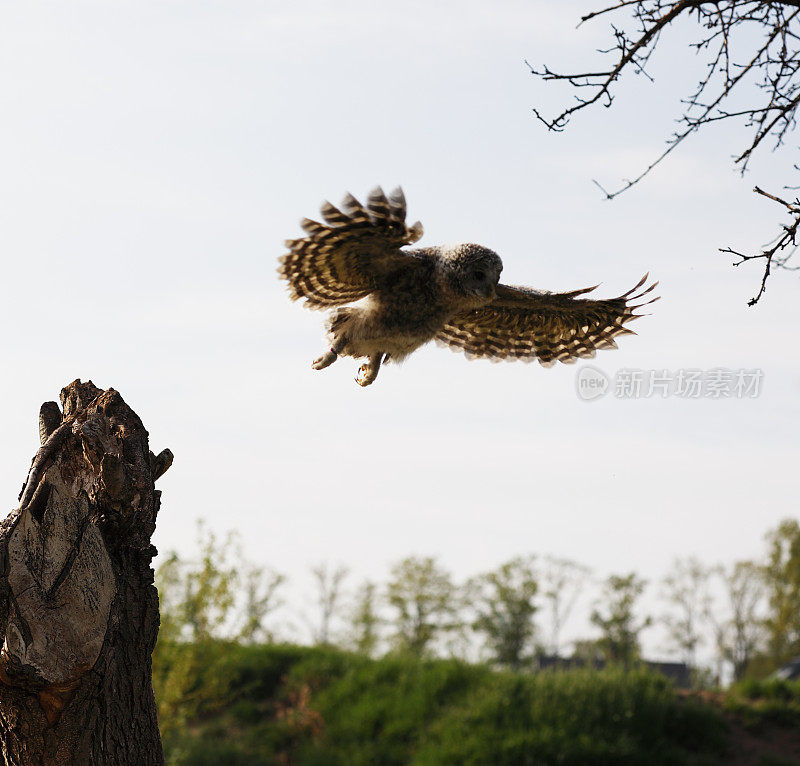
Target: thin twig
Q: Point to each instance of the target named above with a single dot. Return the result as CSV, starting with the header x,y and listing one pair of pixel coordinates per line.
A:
x,y
767,73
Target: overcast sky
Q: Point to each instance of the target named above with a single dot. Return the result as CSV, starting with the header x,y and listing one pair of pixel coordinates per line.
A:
x,y
155,155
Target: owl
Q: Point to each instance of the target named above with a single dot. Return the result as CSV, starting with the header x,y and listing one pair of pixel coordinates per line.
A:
x,y
387,301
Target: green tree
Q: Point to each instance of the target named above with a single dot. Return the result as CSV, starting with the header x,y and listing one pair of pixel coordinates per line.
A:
x,y
424,600
328,584
782,582
620,630
168,580
197,600
260,586
741,634
209,587
364,620
205,603
505,604
561,582
686,588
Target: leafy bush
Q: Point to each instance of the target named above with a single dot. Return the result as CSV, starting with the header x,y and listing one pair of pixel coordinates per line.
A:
x,y
771,688
378,711
769,701
322,707
575,717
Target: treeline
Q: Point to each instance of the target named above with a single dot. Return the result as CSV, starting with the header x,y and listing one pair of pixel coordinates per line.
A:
x,y
744,615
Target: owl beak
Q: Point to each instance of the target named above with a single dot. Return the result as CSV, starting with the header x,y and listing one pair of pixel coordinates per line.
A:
x,y
486,292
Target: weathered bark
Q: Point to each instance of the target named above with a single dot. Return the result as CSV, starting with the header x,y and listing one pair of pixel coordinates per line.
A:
x,y
78,607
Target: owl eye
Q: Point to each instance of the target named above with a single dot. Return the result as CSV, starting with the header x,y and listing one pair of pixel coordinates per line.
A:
x,y
479,275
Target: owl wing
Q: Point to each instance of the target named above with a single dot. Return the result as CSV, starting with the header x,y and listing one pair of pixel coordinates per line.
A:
x,y
527,324
343,259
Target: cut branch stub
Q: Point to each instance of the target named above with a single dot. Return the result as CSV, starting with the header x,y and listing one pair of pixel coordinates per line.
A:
x,y
76,573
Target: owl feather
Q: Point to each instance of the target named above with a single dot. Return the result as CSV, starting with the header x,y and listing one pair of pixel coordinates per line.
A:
x,y
341,259
526,324
448,294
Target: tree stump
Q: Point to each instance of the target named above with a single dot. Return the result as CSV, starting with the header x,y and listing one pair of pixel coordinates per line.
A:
x,y
78,607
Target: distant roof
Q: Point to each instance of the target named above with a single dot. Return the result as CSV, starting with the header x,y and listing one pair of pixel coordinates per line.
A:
x,y
678,672
788,672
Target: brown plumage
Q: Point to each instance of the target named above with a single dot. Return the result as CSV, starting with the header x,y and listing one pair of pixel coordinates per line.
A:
x,y
449,294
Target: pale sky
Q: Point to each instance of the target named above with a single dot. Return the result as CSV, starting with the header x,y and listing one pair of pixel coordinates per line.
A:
x,y
155,155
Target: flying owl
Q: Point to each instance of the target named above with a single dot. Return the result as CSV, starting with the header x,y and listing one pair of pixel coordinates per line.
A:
x,y
403,298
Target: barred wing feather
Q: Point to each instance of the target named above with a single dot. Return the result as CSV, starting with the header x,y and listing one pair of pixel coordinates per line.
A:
x,y
551,327
342,258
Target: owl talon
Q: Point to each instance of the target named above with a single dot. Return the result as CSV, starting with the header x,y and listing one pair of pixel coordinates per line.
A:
x,y
365,376
369,371
325,360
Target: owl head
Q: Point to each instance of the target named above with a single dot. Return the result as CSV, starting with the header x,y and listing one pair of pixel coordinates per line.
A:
x,y
472,271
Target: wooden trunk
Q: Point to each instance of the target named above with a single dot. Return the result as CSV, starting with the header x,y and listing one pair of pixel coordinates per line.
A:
x,y
78,607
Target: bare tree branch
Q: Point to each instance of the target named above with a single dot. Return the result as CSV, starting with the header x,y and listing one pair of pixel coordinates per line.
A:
x,y
766,75
780,251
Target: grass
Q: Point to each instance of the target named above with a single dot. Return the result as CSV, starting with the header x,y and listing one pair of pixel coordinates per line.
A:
x,y
247,705
766,702
576,717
